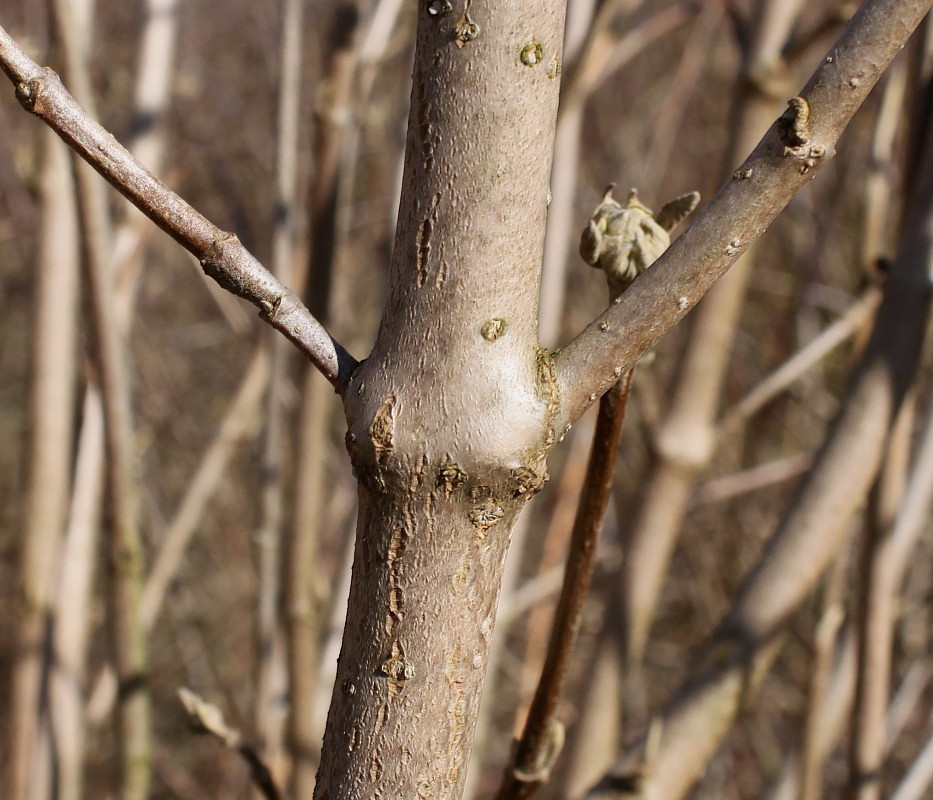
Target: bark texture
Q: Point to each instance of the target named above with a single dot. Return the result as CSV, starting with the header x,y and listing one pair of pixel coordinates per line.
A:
x,y
451,416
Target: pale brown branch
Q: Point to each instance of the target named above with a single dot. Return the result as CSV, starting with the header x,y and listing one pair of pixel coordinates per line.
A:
x,y
603,53
847,464
221,254
202,486
775,383
768,40
685,440
880,213
669,119
52,401
122,517
744,207
911,524
834,710
825,640
207,718
151,93
876,617
598,51
73,617
749,480
919,777
913,516
270,716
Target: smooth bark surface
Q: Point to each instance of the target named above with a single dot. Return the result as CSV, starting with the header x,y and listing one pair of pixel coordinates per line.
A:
x,y
52,410
449,418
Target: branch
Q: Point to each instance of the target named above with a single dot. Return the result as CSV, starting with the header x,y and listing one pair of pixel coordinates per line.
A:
x,y
784,161
207,718
814,528
221,254
918,777
121,510
541,740
797,365
684,440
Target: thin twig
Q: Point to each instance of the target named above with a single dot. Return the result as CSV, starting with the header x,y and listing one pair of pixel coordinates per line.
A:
x,y
73,616
826,638
69,713
834,335
835,707
542,737
271,716
622,260
876,615
760,476
50,453
919,777
202,485
670,115
221,254
205,717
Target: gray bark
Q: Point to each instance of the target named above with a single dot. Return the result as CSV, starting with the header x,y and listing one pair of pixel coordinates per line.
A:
x,y
451,415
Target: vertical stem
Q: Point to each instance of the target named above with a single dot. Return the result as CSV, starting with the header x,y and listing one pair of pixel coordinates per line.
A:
x,y
826,636
876,616
50,453
73,614
542,737
685,440
272,666
122,515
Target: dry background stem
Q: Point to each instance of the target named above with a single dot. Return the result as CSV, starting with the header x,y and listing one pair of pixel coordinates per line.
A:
x,y
542,737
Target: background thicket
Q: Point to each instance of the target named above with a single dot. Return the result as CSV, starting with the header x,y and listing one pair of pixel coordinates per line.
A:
x,y
662,118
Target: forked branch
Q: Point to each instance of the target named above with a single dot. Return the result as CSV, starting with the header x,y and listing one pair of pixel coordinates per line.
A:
x,y
221,254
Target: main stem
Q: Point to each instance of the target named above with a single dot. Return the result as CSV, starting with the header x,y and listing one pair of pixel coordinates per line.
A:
x,y
451,416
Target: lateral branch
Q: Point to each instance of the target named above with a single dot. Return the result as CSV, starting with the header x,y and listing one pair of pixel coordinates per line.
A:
x,y
221,254
787,158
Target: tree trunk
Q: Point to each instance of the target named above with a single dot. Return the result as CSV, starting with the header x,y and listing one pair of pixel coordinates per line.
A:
x,y
451,416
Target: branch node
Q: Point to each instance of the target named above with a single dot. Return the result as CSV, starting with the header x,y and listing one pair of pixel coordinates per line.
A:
x,y
794,124
215,263
30,92
465,30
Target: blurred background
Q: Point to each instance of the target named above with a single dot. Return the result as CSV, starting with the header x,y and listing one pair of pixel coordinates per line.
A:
x,y
243,493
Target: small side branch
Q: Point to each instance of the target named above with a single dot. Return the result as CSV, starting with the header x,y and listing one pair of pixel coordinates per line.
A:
x,y
771,386
221,254
205,717
541,740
